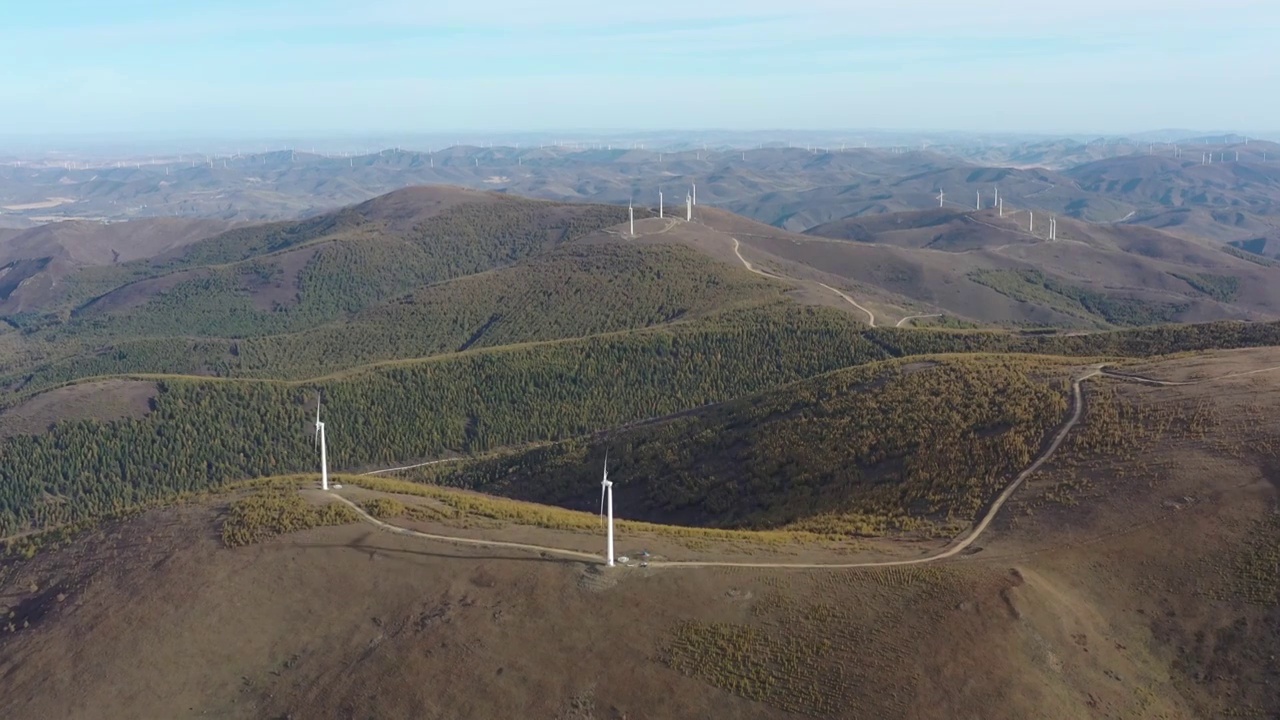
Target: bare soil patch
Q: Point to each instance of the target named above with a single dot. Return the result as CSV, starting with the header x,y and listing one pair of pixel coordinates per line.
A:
x,y
104,401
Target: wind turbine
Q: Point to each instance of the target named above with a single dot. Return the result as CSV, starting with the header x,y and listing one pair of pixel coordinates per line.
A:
x,y
606,500
940,196
324,460
660,215
631,217
688,207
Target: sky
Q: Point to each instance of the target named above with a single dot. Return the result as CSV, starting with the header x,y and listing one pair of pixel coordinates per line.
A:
x,y
257,68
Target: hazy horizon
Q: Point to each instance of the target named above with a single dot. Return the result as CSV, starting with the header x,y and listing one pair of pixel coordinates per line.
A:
x,y
324,69
132,145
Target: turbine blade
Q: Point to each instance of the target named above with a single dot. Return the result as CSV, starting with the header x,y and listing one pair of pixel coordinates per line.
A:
x,y
602,490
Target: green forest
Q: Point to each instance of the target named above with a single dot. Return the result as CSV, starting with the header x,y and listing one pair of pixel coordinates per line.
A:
x,y
889,446
480,325
568,292
205,432
305,285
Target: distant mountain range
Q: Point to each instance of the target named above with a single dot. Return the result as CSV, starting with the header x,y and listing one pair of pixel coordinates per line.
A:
x,y
1222,189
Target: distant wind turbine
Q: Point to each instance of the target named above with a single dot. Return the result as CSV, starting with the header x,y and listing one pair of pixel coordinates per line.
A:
x,y
941,195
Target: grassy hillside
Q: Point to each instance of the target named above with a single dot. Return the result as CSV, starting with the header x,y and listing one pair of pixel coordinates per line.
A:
x,y
201,433
895,445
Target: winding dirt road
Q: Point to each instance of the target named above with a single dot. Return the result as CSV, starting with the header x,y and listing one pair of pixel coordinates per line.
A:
x,y
871,318
957,547
952,550
915,317
574,554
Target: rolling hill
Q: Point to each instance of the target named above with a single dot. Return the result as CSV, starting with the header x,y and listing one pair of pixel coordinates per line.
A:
x,y
426,271
980,267
1130,577
33,262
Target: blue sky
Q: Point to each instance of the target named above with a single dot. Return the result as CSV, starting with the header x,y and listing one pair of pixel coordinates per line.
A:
x,y
270,67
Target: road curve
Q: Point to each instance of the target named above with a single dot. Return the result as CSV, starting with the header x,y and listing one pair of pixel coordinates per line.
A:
x,y
916,317
749,266
954,549
871,318
573,554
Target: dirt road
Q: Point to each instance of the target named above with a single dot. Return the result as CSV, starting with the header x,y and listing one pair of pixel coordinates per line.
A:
x,y
958,547
871,318
951,551
915,317
465,541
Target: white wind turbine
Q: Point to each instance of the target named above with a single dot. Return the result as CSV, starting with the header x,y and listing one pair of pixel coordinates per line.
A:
x,y
606,501
324,460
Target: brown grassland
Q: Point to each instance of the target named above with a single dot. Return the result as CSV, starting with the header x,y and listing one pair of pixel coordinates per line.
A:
x,y
1133,577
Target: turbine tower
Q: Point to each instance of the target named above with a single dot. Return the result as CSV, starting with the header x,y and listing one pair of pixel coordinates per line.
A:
x,y
660,215
631,217
606,502
940,196
695,192
688,208
324,460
